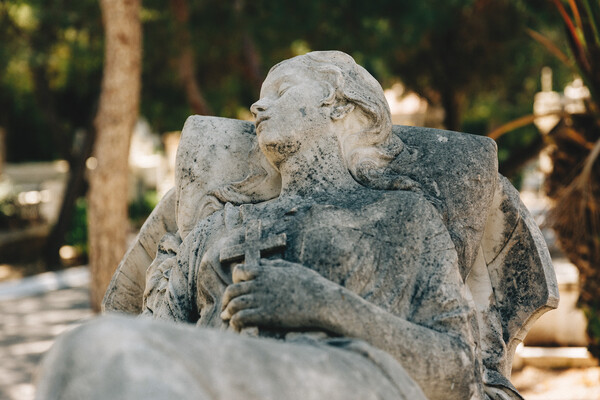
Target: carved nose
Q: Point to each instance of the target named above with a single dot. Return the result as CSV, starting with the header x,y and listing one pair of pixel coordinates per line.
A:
x,y
256,108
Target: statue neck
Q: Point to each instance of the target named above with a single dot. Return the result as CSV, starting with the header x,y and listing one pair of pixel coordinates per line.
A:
x,y
315,170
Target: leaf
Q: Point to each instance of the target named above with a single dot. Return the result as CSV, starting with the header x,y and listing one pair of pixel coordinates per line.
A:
x,y
550,46
594,11
576,13
519,123
574,36
511,126
589,30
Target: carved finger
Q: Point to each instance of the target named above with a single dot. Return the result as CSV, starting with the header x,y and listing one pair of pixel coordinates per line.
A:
x,y
235,290
245,318
236,305
244,272
274,263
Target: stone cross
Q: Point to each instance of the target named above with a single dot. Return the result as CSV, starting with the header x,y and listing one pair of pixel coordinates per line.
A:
x,y
250,250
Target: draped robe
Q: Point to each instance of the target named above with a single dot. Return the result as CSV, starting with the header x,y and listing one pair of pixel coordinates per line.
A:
x,y
389,247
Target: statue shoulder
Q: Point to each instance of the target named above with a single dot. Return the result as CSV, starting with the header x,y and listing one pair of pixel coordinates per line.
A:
x,y
408,203
404,211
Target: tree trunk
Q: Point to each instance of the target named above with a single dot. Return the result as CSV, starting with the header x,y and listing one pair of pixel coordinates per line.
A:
x,y
252,65
117,114
451,101
251,62
75,188
187,65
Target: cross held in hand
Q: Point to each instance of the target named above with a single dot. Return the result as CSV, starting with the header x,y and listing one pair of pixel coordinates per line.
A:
x,y
253,245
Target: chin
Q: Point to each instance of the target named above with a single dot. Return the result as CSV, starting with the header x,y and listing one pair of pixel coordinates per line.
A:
x,y
275,149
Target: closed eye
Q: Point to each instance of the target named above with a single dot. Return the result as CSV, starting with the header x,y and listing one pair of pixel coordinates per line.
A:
x,y
283,90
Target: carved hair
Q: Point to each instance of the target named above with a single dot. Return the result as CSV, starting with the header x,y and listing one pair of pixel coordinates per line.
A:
x,y
368,152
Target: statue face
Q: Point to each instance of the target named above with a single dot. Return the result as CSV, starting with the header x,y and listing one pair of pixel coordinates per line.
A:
x,y
290,111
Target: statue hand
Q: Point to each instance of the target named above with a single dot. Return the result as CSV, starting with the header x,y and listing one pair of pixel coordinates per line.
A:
x,y
275,293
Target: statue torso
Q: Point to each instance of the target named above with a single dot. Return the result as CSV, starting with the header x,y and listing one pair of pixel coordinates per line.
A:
x,y
385,246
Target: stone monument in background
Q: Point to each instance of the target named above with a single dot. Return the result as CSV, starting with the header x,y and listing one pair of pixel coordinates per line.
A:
x,y
322,253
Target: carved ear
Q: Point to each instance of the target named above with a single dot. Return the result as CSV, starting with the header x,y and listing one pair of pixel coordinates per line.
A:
x,y
340,111
330,98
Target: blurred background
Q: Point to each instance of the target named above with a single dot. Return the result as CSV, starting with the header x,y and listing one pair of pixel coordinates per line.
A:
x,y
93,95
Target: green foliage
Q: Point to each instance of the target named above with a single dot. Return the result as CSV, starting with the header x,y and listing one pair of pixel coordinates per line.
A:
x,y
13,214
9,216
8,199
77,235
592,313
50,70
454,53
141,207
582,26
473,57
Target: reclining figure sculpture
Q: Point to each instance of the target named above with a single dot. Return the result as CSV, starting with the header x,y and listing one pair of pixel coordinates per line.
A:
x,y
321,254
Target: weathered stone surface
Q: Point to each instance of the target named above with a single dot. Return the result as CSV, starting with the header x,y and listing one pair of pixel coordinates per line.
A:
x,y
376,261
215,156
224,364
125,291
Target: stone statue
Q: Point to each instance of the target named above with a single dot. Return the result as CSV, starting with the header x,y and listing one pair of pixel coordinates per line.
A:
x,y
325,254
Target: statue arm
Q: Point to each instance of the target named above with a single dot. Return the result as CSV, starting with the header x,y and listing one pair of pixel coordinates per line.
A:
x,y
442,362
434,340
439,355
